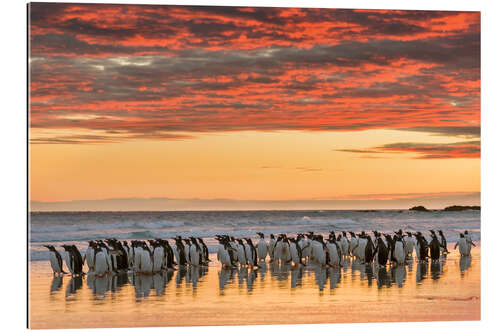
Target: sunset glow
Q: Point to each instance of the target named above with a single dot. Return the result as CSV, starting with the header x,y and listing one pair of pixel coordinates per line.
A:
x,y
249,103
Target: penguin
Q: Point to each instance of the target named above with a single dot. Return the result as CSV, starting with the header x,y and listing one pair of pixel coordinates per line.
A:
x,y
334,252
179,252
286,257
389,244
468,239
369,250
204,247
187,251
463,246
399,253
435,248
253,256
89,256
353,243
158,256
195,253
223,253
146,262
55,261
277,248
296,252
381,252
261,247
240,253
70,259
409,244
360,249
272,244
319,251
422,247
101,264
344,245
137,246
443,244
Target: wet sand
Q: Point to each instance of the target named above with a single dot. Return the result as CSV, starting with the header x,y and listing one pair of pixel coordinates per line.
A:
x,y
448,290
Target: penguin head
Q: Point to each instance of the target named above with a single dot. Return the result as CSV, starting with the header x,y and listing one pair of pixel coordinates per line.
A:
x,y
272,236
466,232
50,247
462,235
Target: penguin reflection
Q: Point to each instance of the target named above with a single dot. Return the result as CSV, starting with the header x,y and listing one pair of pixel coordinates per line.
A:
x,y
56,284
382,277
399,275
98,284
369,273
320,277
74,285
335,275
159,284
421,271
297,273
181,273
225,275
465,262
435,270
143,283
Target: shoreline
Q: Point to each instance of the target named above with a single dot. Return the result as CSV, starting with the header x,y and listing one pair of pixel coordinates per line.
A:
x,y
219,297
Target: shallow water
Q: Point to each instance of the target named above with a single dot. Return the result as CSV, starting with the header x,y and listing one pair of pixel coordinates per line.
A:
x,y
273,294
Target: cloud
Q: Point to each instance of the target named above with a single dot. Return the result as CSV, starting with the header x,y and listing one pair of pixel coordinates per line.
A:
x,y
155,71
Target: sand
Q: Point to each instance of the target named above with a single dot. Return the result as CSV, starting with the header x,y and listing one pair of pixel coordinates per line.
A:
x,y
449,290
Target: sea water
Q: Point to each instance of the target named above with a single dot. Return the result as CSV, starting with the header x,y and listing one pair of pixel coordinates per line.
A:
x,y
77,228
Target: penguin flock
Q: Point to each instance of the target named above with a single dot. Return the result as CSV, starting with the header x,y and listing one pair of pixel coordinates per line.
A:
x,y
157,255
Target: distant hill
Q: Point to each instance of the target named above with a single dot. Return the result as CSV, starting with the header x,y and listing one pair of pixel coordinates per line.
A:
x,y
461,208
419,209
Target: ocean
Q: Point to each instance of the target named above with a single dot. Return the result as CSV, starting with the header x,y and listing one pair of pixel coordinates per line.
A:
x,y
77,228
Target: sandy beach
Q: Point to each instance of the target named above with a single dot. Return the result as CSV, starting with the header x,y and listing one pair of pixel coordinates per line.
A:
x,y
449,290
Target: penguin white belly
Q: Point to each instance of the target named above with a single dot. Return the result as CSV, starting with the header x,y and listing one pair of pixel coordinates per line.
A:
x,y
399,253
249,254
353,246
468,241
417,251
285,252
224,257
294,254
241,254
195,256
334,255
463,247
316,251
410,245
272,244
89,255
158,259
101,264
146,264
344,246
186,252
277,251
361,248
176,254
262,249
320,255
67,259
137,259
54,263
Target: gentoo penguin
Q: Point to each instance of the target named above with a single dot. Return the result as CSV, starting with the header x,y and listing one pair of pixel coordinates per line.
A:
x,y
261,247
443,244
179,252
286,257
409,244
381,252
89,256
353,243
468,239
390,247
204,247
295,252
223,253
187,248
319,250
422,247
72,261
435,248
463,246
55,260
334,252
195,253
240,252
277,248
369,250
360,249
344,245
146,262
101,264
272,243
253,257
399,253
158,256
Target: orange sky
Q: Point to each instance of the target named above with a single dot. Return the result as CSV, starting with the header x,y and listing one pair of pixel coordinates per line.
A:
x,y
251,103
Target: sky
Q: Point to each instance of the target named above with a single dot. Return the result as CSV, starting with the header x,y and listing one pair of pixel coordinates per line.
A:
x,y
262,107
